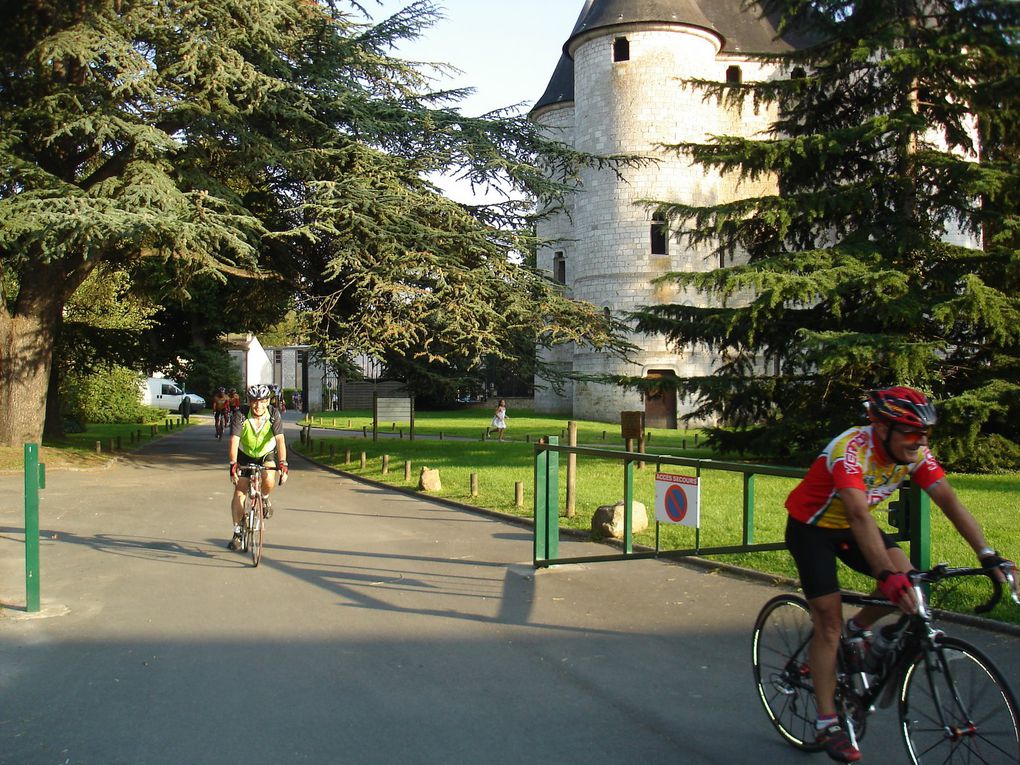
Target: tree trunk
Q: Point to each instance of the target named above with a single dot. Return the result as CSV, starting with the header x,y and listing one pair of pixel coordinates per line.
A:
x,y
54,427
26,354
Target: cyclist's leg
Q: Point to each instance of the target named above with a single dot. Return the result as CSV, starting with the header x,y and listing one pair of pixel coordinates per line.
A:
x,y
827,617
814,553
853,557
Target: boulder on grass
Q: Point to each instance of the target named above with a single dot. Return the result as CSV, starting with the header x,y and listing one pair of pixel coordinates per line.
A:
x,y
429,480
608,520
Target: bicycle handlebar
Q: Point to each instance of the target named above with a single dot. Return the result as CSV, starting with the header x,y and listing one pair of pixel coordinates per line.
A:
x,y
943,571
249,469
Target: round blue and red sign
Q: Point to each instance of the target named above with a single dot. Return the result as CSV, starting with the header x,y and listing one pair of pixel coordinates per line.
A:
x,y
676,503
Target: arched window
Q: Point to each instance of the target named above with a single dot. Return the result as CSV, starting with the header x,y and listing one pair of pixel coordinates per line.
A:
x,y
733,75
621,49
798,73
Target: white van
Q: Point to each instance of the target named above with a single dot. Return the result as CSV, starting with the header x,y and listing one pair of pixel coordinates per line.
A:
x,y
164,393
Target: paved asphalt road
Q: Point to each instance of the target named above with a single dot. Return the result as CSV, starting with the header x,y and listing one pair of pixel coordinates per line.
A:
x,y
380,628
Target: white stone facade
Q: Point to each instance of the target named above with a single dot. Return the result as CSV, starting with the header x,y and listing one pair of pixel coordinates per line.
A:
x,y
631,107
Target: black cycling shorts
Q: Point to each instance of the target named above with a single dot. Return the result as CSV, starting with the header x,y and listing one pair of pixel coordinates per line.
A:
x,y
815,550
245,459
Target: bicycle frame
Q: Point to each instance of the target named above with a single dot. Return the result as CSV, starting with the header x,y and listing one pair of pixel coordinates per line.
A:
x,y
947,691
915,636
253,520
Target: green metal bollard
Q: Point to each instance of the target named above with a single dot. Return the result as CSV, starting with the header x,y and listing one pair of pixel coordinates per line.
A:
x,y
35,479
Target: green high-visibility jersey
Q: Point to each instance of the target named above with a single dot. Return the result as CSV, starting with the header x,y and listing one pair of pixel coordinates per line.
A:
x,y
257,439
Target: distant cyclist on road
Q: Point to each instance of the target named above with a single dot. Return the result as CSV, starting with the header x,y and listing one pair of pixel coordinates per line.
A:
x,y
830,517
256,438
235,401
221,410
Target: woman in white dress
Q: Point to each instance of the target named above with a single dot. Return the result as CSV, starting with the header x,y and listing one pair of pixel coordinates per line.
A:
x,y
498,420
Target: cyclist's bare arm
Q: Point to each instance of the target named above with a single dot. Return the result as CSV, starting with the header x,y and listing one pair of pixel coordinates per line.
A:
x,y
866,532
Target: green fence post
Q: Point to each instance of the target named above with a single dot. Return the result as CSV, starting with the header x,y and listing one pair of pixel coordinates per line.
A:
x,y
628,507
919,509
541,492
547,503
748,508
35,478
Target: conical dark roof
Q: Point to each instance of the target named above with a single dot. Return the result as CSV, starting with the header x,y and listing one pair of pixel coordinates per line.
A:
x,y
560,89
741,31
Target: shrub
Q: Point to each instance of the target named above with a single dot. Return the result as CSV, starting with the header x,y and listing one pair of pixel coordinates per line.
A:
x,y
110,395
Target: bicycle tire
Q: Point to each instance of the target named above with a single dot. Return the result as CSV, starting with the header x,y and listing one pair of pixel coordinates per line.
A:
x,y
258,522
781,635
973,696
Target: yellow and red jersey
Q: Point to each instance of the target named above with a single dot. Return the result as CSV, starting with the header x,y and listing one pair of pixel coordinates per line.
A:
x,y
854,460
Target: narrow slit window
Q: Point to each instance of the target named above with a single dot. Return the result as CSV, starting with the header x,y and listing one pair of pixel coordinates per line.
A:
x,y
658,237
733,75
621,49
560,268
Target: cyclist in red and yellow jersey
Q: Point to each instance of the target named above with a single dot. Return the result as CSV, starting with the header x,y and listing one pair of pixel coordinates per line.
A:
x,y
830,517
221,410
234,399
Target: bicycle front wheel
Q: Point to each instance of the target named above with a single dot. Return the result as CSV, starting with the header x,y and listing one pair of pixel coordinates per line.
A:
x,y
257,523
779,655
955,707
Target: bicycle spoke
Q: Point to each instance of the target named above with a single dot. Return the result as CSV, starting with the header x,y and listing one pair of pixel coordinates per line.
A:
x,y
781,635
955,707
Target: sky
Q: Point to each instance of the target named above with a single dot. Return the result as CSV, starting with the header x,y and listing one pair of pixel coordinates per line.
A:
x,y
506,49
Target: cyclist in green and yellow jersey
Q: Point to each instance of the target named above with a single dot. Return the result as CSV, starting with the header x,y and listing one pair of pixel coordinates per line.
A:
x,y
256,437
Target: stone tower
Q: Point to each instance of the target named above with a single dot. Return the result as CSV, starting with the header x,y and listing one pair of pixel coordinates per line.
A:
x,y
618,89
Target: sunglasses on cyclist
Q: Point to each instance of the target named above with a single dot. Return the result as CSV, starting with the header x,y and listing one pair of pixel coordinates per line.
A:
x,y
914,435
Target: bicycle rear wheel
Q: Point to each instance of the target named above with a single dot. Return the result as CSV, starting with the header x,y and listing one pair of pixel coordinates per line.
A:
x,y
779,656
257,523
955,707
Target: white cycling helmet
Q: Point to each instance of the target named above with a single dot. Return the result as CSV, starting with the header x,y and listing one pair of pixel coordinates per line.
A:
x,y
258,392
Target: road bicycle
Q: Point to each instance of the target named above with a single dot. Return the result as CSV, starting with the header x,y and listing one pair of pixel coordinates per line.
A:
x,y
253,520
221,421
954,705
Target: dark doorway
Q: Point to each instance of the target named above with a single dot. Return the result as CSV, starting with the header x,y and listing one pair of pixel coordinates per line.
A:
x,y
660,405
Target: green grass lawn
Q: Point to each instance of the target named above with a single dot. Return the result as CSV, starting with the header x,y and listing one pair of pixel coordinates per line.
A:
x,y
992,499
79,449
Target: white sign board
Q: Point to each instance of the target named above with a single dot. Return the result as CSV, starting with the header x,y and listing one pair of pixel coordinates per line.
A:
x,y
678,499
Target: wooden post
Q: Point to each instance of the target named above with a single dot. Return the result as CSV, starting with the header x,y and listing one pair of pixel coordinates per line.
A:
x,y
99,447
571,470
385,464
364,460
332,452
347,456
474,484
111,446
518,493
407,470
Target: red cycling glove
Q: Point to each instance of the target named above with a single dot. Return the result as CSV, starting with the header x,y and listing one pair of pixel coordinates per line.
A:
x,y
894,585
283,468
233,470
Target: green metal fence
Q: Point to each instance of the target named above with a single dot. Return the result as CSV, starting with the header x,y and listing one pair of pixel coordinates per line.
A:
x,y
909,513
